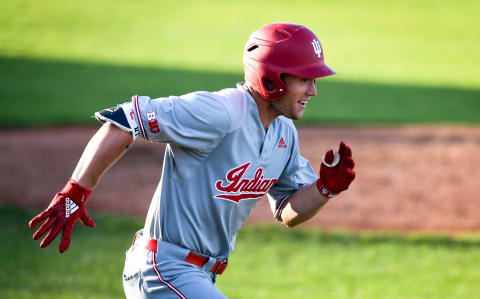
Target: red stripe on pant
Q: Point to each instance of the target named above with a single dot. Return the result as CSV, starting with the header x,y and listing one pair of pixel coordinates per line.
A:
x,y
159,276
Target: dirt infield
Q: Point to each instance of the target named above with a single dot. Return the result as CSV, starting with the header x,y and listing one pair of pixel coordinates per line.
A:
x,y
408,178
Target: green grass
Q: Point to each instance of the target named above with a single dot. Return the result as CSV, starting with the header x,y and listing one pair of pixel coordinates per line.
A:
x,y
268,262
49,92
316,264
90,268
433,42
397,61
45,92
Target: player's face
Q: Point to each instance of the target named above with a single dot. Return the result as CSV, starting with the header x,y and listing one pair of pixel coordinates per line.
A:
x,y
294,102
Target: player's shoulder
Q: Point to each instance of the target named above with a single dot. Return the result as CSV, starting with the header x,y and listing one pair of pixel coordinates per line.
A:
x,y
232,99
231,102
237,104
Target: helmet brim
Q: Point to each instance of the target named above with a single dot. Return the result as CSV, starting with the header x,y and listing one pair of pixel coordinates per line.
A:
x,y
313,71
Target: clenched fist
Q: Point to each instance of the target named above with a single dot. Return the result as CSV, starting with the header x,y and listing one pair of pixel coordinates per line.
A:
x,y
336,171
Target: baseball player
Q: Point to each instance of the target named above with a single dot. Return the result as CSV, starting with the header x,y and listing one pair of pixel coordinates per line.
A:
x,y
225,150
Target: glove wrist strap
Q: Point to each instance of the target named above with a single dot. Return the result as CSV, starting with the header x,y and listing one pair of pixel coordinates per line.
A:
x,y
76,192
324,191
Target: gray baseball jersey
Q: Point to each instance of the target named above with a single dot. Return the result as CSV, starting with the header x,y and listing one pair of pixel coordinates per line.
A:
x,y
219,162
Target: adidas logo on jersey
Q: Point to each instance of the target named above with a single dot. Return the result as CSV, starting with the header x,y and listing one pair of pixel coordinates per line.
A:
x,y
281,143
70,207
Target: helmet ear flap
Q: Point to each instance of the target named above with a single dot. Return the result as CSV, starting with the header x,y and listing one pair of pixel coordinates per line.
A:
x,y
279,86
269,85
272,84
264,80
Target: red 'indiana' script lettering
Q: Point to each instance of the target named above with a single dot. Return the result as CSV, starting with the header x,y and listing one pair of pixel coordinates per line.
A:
x,y
239,188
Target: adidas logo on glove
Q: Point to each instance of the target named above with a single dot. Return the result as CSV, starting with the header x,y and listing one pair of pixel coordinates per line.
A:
x,y
70,207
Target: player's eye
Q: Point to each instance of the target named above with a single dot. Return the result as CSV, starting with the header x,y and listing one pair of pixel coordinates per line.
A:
x,y
308,80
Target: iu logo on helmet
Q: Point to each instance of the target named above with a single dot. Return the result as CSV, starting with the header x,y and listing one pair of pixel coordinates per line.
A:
x,y
317,48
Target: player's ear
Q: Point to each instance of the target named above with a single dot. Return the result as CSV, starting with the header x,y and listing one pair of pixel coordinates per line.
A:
x,y
269,84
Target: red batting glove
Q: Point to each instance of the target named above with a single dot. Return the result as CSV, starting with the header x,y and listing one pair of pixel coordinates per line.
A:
x,y
336,171
63,212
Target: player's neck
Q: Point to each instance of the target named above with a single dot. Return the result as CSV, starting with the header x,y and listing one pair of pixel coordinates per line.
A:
x,y
265,110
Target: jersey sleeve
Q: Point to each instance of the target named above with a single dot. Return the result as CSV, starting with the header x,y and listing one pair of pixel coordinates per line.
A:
x,y
121,116
197,120
297,173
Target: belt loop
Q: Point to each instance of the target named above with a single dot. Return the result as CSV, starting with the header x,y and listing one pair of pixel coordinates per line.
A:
x,y
149,244
152,245
219,269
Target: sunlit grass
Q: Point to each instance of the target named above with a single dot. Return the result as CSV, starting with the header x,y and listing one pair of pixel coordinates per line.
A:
x,y
429,42
268,262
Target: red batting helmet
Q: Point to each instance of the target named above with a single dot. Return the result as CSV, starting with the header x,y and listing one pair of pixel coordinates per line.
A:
x,y
282,48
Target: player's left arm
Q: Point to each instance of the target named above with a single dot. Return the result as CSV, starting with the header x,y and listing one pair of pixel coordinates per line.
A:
x,y
336,175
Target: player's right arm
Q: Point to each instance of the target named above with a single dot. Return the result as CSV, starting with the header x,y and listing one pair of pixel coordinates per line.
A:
x,y
110,142
104,149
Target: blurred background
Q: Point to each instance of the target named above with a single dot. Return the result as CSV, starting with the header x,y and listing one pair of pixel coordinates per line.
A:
x,y
390,56
406,92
